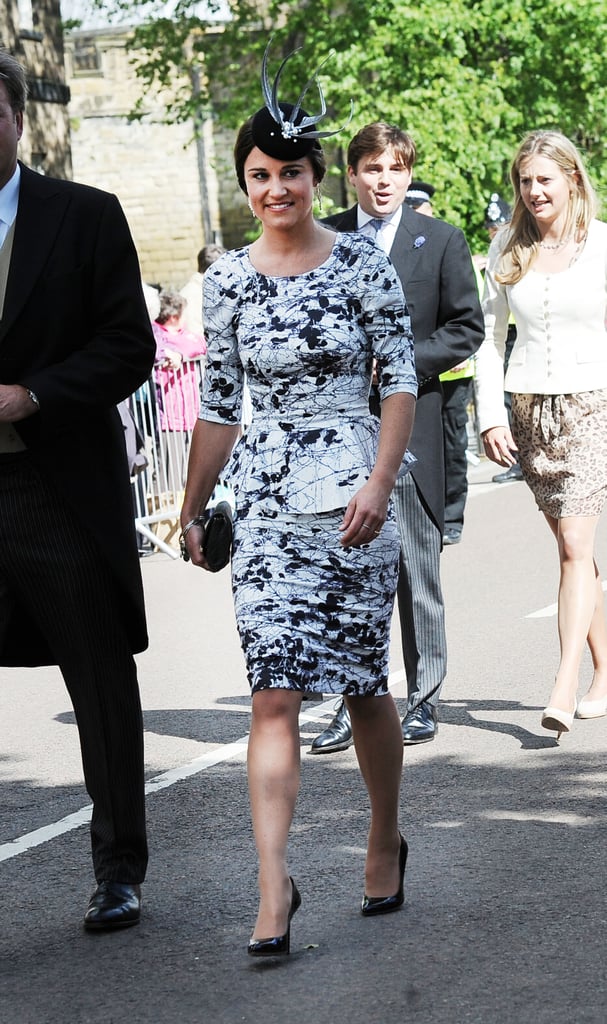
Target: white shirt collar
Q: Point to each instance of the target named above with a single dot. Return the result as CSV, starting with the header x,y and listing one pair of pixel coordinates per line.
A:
x,y
393,219
387,233
9,200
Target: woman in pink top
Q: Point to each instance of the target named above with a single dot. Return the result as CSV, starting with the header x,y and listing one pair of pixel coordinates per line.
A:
x,y
177,376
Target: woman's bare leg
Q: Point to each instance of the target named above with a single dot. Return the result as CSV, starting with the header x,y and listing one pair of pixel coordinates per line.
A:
x,y
580,611
378,741
597,642
273,762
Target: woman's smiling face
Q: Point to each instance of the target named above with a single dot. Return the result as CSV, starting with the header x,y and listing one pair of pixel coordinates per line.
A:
x,y
281,193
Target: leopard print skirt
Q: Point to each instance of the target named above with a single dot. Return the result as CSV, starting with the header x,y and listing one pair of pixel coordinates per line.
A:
x,y
562,442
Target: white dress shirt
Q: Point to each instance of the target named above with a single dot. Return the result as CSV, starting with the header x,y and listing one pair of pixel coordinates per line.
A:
x,y
192,314
9,200
387,232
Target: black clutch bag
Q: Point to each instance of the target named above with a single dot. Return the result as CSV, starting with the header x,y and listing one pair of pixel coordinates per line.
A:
x,y
217,540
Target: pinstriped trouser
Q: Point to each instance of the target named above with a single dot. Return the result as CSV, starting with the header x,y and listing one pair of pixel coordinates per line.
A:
x,y
50,564
420,599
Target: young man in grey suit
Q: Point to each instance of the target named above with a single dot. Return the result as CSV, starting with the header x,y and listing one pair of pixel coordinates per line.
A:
x,y
435,267
75,340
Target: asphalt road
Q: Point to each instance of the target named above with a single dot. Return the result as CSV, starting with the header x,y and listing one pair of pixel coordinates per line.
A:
x,y
505,913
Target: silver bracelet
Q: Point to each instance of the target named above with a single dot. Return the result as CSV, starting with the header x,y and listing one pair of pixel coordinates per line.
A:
x,y
33,397
197,521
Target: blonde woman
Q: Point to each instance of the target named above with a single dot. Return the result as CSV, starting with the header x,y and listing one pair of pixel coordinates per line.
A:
x,y
548,267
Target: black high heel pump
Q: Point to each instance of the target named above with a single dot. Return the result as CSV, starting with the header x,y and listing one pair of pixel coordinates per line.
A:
x,y
280,945
386,904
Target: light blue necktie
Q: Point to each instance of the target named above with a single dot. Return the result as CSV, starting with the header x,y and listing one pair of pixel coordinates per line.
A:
x,y
375,224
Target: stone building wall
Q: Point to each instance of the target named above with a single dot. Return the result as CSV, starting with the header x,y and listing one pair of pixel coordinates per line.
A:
x,y
178,194
158,171
33,33
236,218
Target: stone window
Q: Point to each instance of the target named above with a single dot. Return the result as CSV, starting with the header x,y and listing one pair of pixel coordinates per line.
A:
x,y
86,57
26,20
26,15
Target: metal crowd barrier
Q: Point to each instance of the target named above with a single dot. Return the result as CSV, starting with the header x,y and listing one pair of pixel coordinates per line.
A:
x,y
167,399
158,486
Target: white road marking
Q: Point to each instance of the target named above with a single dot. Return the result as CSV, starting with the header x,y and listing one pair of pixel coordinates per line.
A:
x,y
223,753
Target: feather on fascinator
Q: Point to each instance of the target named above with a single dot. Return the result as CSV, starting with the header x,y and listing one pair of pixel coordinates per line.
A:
x,y
284,130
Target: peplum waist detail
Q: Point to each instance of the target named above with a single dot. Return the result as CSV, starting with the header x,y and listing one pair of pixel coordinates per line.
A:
x,y
306,465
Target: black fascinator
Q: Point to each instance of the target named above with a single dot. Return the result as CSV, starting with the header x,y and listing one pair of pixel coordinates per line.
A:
x,y
498,211
285,131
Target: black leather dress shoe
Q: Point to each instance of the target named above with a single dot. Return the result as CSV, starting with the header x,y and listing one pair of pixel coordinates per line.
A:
x,y
337,735
420,725
452,536
514,473
113,905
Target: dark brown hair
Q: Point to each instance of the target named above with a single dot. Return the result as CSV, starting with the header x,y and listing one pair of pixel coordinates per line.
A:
x,y
375,138
245,144
208,254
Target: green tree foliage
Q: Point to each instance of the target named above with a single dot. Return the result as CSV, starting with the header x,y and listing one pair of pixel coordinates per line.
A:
x,y
467,78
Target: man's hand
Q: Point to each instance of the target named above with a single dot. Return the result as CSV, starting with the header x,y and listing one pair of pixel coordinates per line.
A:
x,y
15,403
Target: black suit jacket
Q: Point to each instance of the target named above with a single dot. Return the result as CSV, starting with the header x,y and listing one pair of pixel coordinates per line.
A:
x,y
434,265
75,330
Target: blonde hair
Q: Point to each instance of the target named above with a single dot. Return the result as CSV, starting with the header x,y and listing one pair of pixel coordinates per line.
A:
x,y
523,235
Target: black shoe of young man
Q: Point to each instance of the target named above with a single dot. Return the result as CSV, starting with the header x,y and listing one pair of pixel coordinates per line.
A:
x,y
337,735
113,905
514,473
452,536
420,725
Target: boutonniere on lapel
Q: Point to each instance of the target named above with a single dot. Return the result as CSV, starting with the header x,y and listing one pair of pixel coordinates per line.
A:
x,y
419,241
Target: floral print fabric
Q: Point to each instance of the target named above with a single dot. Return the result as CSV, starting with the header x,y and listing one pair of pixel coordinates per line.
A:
x,y
306,345
312,616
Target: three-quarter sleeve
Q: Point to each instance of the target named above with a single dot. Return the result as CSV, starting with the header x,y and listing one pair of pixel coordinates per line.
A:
x,y
223,381
388,326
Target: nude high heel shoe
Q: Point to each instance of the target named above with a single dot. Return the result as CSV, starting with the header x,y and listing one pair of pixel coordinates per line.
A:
x,y
557,719
592,708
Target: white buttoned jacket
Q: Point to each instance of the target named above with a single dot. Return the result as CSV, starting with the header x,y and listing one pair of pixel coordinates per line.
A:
x,y
561,343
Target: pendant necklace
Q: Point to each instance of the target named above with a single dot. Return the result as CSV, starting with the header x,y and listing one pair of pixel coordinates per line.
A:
x,y
556,245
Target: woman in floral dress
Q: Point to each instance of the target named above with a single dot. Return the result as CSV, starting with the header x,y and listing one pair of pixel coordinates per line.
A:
x,y
304,313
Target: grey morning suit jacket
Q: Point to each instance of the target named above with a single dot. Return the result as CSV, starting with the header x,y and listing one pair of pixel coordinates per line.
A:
x,y
433,262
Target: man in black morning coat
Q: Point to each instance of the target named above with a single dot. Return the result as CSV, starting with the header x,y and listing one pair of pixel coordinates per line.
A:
x,y
75,340
434,265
